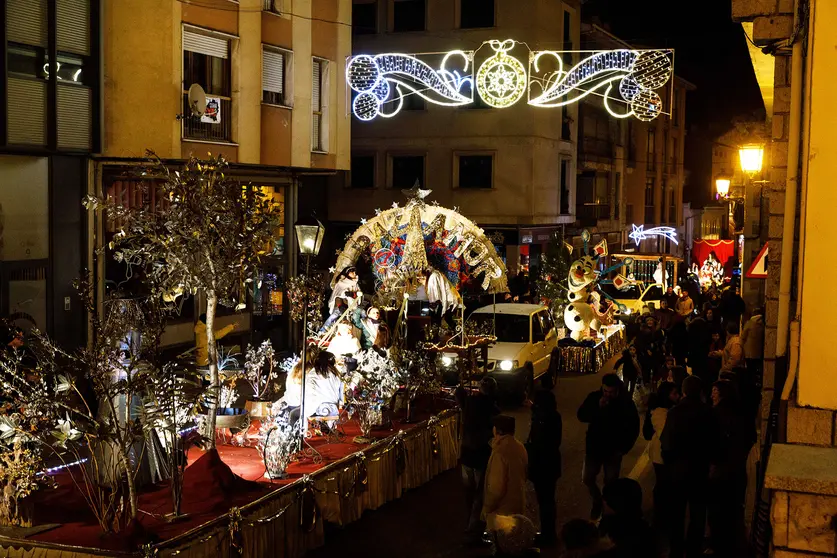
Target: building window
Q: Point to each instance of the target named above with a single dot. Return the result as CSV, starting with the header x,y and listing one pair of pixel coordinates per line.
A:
x,y
665,149
29,68
675,155
274,6
651,149
649,200
408,15
672,205
276,69
474,14
568,38
362,175
407,170
319,91
565,186
364,17
631,144
675,109
206,62
475,171
566,131
617,202
410,101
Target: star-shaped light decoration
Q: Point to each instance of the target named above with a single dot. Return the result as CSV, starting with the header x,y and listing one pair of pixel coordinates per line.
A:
x,y
395,205
332,269
378,211
363,221
435,203
456,209
337,253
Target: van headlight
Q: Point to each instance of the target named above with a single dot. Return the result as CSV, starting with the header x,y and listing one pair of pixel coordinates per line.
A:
x,y
447,361
508,365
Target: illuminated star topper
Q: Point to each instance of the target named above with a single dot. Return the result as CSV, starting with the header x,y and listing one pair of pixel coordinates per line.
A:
x,y
638,234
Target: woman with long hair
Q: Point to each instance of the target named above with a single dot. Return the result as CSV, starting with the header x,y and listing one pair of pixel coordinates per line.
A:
x,y
293,382
323,388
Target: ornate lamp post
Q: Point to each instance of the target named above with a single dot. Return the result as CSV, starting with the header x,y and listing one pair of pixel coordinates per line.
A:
x,y
751,158
309,235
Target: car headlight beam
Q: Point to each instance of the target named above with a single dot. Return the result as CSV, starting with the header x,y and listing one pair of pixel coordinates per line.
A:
x,y
506,365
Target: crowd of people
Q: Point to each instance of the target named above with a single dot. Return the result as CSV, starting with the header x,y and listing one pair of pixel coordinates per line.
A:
x,y
694,371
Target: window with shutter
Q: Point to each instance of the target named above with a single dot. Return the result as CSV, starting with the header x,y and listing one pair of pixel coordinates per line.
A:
x,y
73,116
317,121
274,62
73,26
208,45
27,122
26,22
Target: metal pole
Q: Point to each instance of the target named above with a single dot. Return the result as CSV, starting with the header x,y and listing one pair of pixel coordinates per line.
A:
x,y
303,420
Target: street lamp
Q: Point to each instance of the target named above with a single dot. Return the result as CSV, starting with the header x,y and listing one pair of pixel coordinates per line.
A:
x,y
722,187
751,158
309,235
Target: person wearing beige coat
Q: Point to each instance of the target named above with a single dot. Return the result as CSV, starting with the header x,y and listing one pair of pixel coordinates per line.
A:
x,y
505,477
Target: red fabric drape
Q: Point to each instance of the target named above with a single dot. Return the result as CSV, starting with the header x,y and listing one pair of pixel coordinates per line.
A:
x,y
724,249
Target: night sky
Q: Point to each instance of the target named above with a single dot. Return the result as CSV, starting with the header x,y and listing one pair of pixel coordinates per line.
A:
x,y
710,51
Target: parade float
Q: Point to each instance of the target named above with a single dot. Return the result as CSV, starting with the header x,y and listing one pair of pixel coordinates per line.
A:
x,y
261,493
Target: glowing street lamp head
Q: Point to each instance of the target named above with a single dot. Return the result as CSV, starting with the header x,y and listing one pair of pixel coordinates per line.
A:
x,y
751,158
722,186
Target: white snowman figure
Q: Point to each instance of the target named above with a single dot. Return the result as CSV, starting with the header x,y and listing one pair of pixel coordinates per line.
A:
x,y
579,315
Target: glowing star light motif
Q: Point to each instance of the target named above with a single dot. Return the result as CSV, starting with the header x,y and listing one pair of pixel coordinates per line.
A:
x,y
638,234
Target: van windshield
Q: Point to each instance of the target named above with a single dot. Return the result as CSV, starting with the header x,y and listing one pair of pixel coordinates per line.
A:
x,y
511,328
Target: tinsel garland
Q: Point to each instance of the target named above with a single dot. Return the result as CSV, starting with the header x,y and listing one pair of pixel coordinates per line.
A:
x,y
589,360
302,291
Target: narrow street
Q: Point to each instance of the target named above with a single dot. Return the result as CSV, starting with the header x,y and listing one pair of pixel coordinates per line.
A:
x,y
431,519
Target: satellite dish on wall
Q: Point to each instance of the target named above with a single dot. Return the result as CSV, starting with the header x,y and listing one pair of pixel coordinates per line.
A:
x,y
197,100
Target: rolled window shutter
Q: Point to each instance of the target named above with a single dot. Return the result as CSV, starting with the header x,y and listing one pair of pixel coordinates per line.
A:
x,y
315,86
26,22
74,116
315,133
206,44
73,26
27,122
273,71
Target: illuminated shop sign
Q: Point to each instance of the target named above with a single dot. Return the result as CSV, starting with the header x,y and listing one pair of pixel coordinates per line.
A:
x,y
627,81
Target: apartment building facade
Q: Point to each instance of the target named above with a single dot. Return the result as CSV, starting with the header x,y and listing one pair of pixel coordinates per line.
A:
x,y
50,70
511,170
631,172
272,73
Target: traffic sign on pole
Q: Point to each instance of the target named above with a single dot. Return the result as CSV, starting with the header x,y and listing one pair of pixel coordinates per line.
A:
x,y
758,269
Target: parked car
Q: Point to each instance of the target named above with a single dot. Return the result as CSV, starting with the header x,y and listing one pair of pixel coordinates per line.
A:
x,y
525,334
636,296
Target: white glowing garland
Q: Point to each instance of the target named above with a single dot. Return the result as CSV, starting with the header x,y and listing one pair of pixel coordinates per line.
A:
x,y
501,80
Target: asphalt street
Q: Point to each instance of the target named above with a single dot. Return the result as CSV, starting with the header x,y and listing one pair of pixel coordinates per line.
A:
x,y
429,522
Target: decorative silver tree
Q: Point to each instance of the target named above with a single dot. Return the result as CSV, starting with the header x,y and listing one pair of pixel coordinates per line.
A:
x,y
206,234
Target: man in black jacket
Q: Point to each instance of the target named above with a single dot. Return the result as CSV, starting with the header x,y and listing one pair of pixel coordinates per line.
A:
x,y
613,429
688,442
478,412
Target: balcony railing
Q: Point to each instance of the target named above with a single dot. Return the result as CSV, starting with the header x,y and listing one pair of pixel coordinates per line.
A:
x,y
590,213
195,128
597,147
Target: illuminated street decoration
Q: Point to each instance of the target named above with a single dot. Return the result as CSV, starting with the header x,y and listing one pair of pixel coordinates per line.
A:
x,y
626,80
501,79
378,78
638,74
638,234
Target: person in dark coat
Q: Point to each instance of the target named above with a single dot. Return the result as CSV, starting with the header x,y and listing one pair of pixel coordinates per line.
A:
x,y
732,306
623,522
699,339
648,347
688,441
631,369
478,412
677,341
728,471
613,427
544,449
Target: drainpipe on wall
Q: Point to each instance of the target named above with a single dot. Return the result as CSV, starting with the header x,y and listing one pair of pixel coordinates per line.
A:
x,y
806,116
782,372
